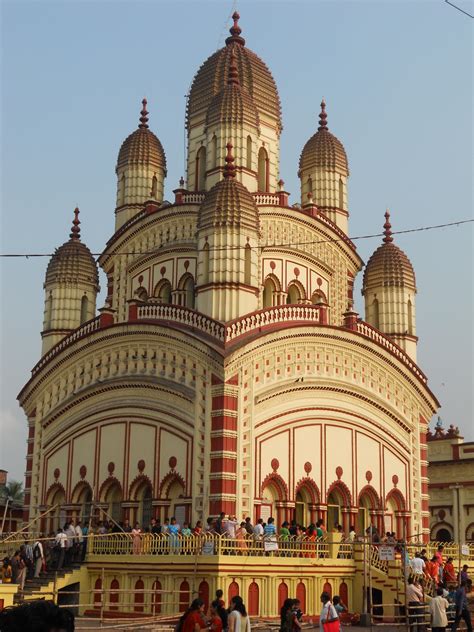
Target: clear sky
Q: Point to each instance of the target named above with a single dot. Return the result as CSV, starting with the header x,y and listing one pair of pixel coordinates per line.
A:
x,y
397,79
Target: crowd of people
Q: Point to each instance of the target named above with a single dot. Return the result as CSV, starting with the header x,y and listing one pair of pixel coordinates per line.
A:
x,y
218,618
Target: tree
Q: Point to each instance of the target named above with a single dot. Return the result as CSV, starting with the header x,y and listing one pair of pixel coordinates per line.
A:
x,y
14,490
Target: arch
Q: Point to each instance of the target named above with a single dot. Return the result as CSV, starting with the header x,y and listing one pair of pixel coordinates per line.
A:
x,y
318,297
139,597
443,535
82,495
410,317
97,594
200,180
341,193
162,292
263,166
271,288
396,497
344,593
233,590
340,492
282,594
84,309
369,498
168,481
121,190
248,161
213,152
441,526
154,187
136,485
469,533
308,488
205,263
327,588
184,596
156,597
301,595
275,480
248,265
295,293
375,313
253,599
186,285
48,312
203,591
56,495
141,294
114,596
309,185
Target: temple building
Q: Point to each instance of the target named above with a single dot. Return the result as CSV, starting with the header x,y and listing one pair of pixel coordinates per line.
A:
x,y
227,369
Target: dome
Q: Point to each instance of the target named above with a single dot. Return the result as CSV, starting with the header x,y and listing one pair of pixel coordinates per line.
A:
x,y
389,265
228,203
142,147
253,75
233,104
323,150
73,261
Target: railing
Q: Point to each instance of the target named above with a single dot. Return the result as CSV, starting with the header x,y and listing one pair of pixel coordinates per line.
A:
x,y
267,199
193,198
182,315
270,316
370,332
84,330
375,561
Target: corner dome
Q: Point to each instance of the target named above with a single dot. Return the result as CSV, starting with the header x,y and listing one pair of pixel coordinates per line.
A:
x,y
253,75
389,266
142,147
73,261
323,150
233,104
228,203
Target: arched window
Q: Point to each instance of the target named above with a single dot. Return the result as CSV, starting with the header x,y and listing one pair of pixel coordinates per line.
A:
x,y
141,294
139,596
114,596
282,594
248,162
84,309
154,187
443,535
410,317
121,191
301,595
294,295
48,312
97,593
309,186
163,292
262,170
203,592
213,152
375,313
205,263
248,265
156,597
200,182
318,297
84,498
56,500
189,292
344,593
253,604
113,498
233,590
341,193
184,596
327,588
145,509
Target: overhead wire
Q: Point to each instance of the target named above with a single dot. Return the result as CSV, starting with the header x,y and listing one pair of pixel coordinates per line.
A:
x,y
259,247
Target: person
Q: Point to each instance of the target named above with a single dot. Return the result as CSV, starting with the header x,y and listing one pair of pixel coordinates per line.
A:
x,y
193,619
414,596
432,569
186,531
293,623
286,607
464,575
198,528
238,619
60,546
339,607
248,525
85,534
38,557
417,565
219,598
328,619
462,611
218,617
70,531
155,527
79,541
449,575
241,538
258,529
439,554
320,528
136,539
352,534
173,532
126,527
438,606
6,573
37,616
219,526
230,526
293,529
269,529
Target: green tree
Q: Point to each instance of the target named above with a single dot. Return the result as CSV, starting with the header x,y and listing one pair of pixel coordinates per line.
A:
x,y
14,490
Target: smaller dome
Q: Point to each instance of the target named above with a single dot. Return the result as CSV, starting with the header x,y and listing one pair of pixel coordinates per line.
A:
x,y
73,261
323,150
142,147
228,203
389,265
233,104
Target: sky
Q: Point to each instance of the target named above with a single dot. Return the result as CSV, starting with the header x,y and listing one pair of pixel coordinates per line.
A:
x,y
397,80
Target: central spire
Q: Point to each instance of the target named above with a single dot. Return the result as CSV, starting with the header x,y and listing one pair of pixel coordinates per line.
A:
x,y
387,229
229,169
75,233
235,31
144,115
323,124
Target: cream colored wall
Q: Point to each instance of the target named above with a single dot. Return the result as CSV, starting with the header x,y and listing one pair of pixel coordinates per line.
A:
x,y
326,193
137,190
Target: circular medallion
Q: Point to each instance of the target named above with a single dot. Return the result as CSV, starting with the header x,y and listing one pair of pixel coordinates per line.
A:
x,y
111,467
141,465
308,467
83,471
368,476
172,462
339,471
275,464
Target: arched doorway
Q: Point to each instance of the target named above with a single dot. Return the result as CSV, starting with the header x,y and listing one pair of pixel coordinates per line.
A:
x,y
156,597
443,535
282,594
163,292
269,292
294,294
263,169
253,602
144,495
203,592
307,494
327,588
175,494
139,596
301,595
82,496
56,499
113,497
233,590
394,520
368,503
337,498
274,490
114,596
184,596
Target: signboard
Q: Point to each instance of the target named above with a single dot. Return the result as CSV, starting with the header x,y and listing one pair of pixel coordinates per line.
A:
x,y
208,548
465,549
270,544
387,553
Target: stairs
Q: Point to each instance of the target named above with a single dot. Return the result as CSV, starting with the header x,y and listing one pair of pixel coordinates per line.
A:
x,y
45,584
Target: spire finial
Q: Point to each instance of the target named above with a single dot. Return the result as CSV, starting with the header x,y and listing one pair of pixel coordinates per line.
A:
x,y
144,115
235,31
233,78
387,228
229,169
75,230
323,124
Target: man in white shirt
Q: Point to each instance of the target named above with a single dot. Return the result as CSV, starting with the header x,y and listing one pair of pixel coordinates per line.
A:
x,y
417,565
60,546
78,541
38,557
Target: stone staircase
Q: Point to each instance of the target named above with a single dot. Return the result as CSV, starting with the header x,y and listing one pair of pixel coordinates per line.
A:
x,y
46,583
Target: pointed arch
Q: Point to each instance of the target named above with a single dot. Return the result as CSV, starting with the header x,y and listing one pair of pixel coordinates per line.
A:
x,y
156,597
307,486
139,596
340,489
168,481
248,265
371,495
200,180
233,590
396,496
282,594
253,600
84,310
276,481
162,292
327,588
263,170
203,592
114,596
295,292
184,596
301,595
344,593
205,263
248,161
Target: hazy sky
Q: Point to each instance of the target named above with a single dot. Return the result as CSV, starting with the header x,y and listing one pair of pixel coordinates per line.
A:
x,y
397,79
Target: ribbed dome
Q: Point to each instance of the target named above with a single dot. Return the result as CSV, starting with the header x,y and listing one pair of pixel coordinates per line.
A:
x,y
389,265
142,147
73,261
254,77
233,104
228,203
323,150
